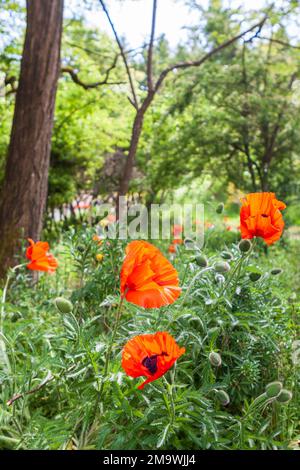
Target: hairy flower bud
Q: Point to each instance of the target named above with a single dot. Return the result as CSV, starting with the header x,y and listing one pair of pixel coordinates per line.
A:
x,y
273,389
201,260
221,267
226,255
215,359
284,396
63,305
223,397
276,271
255,276
244,245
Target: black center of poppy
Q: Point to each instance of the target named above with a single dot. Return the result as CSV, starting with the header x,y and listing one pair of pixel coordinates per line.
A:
x,y
264,215
151,362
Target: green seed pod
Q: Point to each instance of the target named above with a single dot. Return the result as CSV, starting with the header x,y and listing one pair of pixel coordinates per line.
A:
x,y
276,271
220,208
255,276
81,248
215,359
201,260
223,397
221,267
63,305
284,396
244,245
273,389
226,255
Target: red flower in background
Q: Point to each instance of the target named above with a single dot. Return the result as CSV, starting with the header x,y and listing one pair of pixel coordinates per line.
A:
x,y
150,356
172,249
148,279
40,259
260,216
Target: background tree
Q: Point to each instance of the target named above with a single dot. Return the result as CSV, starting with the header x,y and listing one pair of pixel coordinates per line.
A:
x,y
24,192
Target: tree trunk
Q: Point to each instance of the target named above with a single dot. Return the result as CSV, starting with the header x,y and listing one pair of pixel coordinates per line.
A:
x,y
24,191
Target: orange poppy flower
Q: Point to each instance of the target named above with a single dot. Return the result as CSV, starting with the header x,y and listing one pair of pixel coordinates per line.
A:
x,y
150,356
177,241
172,249
260,216
40,259
148,279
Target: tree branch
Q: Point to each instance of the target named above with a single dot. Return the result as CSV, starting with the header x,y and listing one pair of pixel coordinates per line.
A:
x,y
197,63
123,55
278,41
86,86
150,49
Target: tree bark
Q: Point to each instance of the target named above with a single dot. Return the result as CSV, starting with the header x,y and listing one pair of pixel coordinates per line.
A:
x,y
24,191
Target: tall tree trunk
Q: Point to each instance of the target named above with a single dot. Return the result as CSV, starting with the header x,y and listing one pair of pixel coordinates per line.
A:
x,y
24,191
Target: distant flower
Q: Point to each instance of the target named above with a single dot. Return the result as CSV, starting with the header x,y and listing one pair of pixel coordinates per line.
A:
x,y
40,258
148,279
97,239
172,249
260,216
177,241
177,230
150,356
99,257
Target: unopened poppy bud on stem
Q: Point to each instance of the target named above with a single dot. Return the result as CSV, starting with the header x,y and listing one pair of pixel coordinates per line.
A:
x,y
201,260
255,276
273,389
284,396
221,267
244,245
220,208
223,397
215,359
276,271
226,255
63,305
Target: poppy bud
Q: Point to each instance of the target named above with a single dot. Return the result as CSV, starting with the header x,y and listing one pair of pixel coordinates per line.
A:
x,y
215,359
284,396
255,276
244,245
81,248
273,389
201,260
276,271
220,208
221,267
63,305
226,255
223,397
189,244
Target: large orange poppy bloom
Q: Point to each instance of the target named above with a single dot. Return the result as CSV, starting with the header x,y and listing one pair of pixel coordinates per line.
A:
x,y
148,279
260,216
150,356
40,259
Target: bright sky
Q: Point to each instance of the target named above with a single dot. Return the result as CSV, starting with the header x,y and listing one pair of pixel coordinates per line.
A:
x,y
132,18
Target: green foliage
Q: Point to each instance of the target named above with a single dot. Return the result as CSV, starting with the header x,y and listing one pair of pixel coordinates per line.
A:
x,y
238,337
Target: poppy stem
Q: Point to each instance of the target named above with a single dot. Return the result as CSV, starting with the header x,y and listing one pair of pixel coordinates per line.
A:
x,y
109,350
193,281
